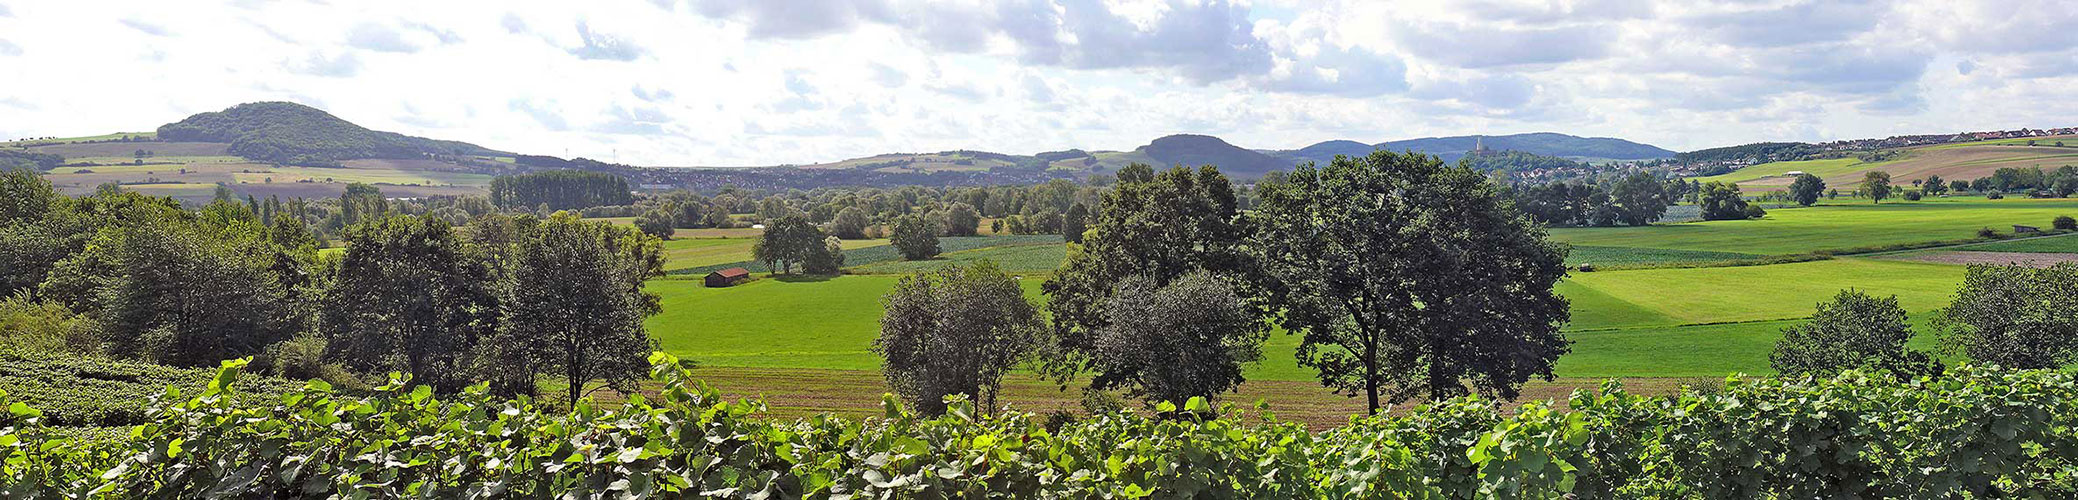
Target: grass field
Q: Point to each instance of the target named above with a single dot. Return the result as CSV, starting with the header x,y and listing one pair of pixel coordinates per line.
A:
x,y
1833,226
1601,256
687,253
1641,323
1028,259
1823,168
2055,244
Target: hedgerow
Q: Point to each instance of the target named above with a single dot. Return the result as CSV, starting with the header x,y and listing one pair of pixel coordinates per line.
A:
x,y
1974,433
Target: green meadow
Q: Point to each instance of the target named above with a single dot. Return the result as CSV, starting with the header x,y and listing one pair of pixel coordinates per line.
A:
x,y
1833,225
2067,243
1823,168
1700,322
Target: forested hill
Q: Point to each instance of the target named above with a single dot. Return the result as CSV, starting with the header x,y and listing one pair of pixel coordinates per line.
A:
x,y
284,132
1193,150
1543,143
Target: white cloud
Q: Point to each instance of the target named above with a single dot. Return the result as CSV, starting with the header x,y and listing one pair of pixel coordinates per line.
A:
x,y
747,82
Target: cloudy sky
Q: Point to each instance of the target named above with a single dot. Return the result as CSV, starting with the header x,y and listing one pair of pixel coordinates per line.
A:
x,y
746,82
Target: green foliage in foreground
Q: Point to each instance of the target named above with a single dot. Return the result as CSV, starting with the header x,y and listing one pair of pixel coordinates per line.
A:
x,y
1976,432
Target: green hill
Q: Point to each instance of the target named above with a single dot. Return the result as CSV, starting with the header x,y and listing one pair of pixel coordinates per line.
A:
x,y
283,132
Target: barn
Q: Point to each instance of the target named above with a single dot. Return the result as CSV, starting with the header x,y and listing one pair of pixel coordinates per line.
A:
x,y
727,277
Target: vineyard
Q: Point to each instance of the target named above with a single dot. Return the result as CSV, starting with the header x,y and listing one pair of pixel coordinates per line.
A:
x,y
1973,432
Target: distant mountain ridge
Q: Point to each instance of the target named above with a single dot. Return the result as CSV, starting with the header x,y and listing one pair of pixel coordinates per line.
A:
x,y
286,132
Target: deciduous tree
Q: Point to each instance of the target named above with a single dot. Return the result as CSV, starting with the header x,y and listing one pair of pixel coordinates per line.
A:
x,y
916,237
1806,189
410,295
1876,184
1172,343
2015,316
577,301
1407,278
1854,330
955,330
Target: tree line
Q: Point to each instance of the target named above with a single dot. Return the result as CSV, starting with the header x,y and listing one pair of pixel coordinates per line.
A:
x,y
560,190
1173,287
503,298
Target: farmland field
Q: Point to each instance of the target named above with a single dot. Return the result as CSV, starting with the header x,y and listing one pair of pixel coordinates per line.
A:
x,y
829,323
1967,160
1831,226
2054,244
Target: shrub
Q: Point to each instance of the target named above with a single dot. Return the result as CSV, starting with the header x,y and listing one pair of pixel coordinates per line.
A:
x,y
1987,233
2064,223
1850,435
1754,211
1912,196
1994,195
34,325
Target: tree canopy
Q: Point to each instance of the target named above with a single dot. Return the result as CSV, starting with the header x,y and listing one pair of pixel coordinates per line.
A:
x,y
1466,299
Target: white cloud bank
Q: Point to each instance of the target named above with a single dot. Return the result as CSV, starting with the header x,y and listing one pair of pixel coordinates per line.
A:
x,y
745,82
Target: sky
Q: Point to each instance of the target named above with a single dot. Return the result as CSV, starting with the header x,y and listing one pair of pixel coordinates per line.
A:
x,y
763,82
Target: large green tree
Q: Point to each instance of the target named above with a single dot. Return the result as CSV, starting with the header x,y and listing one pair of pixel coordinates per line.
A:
x,y
1172,343
2015,316
1933,185
850,223
1806,189
1876,184
577,302
1158,226
788,240
1639,199
1722,201
962,220
916,237
410,295
186,292
955,330
1407,278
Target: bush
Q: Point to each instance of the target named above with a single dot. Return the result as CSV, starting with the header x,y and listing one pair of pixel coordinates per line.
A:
x,y
1912,196
2064,223
1994,195
1987,233
1850,435
33,325
1754,211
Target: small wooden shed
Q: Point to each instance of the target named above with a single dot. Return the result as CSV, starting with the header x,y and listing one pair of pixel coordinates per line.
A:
x,y
2019,229
727,277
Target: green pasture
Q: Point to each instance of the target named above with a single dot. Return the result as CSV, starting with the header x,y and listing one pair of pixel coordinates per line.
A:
x,y
688,253
1823,168
2067,243
1601,256
1833,225
1701,322
1029,259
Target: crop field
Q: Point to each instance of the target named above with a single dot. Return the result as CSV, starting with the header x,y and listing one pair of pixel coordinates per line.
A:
x,y
1965,161
1832,226
856,257
128,149
69,140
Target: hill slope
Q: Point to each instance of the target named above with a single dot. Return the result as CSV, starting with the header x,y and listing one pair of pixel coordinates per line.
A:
x,y
1326,151
1542,143
284,132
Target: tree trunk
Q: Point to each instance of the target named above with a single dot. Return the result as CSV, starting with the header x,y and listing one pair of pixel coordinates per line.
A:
x,y
1371,371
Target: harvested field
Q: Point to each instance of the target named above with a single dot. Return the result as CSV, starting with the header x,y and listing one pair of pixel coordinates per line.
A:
x,y
1993,258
